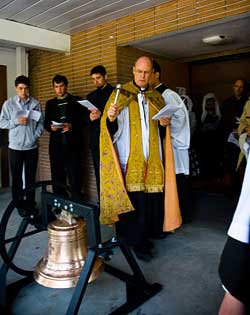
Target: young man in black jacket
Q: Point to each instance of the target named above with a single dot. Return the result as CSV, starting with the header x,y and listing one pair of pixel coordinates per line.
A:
x,y
62,121
98,98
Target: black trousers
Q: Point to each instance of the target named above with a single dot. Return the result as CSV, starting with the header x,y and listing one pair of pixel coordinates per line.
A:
x,y
145,221
184,195
96,162
66,166
232,155
234,270
19,159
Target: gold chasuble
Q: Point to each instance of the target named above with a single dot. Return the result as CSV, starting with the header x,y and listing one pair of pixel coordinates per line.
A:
x,y
141,175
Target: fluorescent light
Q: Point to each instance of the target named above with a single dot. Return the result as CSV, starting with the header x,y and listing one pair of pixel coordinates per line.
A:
x,y
216,39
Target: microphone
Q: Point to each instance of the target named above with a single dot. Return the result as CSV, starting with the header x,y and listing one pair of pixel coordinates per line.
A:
x,y
118,90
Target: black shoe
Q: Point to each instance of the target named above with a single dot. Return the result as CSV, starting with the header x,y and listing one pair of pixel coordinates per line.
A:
x,y
37,221
143,253
161,236
149,244
27,208
24,213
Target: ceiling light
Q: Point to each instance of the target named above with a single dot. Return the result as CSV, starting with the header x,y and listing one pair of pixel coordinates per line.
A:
x,y
216,39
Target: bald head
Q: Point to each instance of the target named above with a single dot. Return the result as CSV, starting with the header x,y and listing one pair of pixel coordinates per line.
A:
x,y
142,71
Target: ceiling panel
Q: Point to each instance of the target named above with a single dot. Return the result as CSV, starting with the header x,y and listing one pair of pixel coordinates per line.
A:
x,y
3,3
97,15
79,12
38,9
70,16
56,12
13,7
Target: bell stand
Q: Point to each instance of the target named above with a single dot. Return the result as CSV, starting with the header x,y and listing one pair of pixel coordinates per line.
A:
x,y
8,292
138,290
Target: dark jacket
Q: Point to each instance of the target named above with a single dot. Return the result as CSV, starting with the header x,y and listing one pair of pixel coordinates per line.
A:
x,y
230,109
99,98
71,140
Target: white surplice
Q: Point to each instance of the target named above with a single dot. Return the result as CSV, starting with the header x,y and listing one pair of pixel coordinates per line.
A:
x,y
240,226
180,132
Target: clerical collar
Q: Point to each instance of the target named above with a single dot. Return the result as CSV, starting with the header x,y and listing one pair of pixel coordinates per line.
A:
x,y
100,88
140,88
62,97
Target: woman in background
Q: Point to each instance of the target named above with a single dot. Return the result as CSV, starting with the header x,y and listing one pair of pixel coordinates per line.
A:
x,y
209,137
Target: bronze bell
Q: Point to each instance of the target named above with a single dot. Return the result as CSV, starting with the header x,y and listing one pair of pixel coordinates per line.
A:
x,y
67,249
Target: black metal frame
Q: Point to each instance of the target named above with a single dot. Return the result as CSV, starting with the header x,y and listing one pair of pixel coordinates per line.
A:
x,y
138,290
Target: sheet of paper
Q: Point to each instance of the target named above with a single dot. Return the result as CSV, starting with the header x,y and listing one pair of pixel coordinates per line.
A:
x,y
57,124
167,110
35,115
237,120
87,104
23,113
233,139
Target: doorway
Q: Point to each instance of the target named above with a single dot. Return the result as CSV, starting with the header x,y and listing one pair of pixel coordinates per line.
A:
x,y
215,75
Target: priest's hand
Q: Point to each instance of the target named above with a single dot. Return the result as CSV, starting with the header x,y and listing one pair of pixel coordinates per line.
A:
x,y
165,121
113,112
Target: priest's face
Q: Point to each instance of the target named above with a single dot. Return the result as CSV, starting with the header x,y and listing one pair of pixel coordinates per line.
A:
x,y
142,71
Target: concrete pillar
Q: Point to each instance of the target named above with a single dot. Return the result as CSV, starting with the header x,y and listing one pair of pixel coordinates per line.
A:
x,y
21,61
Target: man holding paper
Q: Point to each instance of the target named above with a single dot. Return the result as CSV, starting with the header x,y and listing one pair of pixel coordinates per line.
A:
x,y
98,98
63,122
180,137
22,115
131,167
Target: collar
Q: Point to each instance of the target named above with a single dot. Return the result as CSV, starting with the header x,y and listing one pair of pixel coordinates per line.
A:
x,y
102,87
63,97
21,101
140,88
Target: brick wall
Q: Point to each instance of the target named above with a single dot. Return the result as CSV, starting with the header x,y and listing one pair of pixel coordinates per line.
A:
x,y
100,45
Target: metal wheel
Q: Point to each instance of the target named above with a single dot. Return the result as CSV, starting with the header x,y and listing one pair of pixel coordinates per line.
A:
x,y
9,254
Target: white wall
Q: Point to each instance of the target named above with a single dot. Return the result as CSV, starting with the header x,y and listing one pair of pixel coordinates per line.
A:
x,y
8,58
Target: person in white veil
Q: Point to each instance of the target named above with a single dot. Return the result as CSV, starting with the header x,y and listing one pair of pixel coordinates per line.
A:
x,y
211,115
234,265
209,141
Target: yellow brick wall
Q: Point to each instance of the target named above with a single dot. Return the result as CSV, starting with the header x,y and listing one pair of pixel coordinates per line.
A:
x,y
99,46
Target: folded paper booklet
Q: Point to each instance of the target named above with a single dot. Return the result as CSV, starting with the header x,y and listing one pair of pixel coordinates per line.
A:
x,y
167,110
233,138
35,115
23,113
57,124
87,104
31,114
